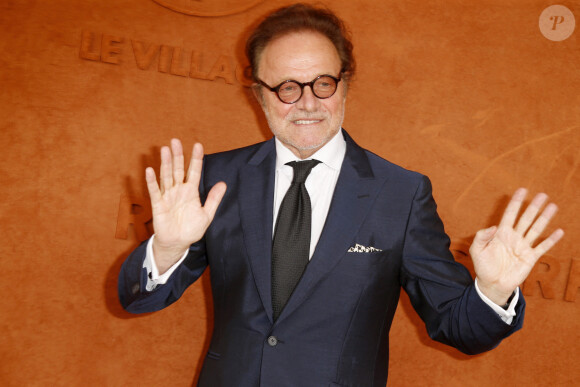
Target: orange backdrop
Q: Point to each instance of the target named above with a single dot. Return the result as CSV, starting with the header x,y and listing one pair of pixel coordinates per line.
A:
x,y
470,93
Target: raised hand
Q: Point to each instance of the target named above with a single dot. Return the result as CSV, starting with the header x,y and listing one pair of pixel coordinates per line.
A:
x,y
179,219
504,255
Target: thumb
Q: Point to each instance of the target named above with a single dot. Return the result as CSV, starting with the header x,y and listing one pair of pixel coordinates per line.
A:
x,y
482,238
216,193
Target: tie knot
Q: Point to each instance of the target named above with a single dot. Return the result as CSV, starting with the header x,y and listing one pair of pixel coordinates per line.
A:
x,y
302,169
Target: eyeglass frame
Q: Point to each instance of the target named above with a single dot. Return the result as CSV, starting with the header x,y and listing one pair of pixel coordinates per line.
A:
x,y
276,89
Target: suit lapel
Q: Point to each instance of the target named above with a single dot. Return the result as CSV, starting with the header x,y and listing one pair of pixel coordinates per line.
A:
x,y
355,191
256,211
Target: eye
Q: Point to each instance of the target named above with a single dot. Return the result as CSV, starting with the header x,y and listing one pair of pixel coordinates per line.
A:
x,y
288,89
325,83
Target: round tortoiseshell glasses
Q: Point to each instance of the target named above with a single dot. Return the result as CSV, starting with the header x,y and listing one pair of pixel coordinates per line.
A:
x,y
290,91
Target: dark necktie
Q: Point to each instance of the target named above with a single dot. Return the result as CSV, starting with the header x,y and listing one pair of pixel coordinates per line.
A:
x,y
291,246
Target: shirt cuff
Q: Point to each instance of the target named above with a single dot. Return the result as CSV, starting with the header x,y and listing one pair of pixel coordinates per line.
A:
x,y
507,315
153,277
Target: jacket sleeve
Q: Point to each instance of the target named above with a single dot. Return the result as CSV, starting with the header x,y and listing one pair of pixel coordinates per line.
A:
x,y
442,290
133,294
133,277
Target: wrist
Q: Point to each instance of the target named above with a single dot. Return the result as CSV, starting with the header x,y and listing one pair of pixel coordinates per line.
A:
x,y
166,256
509,301
499,297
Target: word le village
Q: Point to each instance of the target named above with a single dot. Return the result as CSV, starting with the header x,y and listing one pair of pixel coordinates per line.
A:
x,y
171,60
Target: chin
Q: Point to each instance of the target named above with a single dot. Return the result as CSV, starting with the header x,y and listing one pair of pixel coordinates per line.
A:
x,y
308,148
309,142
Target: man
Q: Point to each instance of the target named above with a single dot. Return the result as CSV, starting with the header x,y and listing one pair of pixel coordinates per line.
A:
x,y
305,295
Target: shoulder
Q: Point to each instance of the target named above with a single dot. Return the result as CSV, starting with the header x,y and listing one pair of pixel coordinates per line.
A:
x,y
379,167
406,182
384,167
237,158
244,153
229,166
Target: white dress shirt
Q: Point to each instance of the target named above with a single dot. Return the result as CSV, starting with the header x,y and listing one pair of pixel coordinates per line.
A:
x,y
320,185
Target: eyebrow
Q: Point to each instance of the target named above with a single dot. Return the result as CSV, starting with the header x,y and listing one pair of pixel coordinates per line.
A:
x,y
314,77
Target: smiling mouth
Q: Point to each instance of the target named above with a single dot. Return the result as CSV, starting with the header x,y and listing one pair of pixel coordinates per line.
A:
x,y
306,122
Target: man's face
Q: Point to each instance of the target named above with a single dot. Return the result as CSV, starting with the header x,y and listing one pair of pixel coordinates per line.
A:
x,y
307,125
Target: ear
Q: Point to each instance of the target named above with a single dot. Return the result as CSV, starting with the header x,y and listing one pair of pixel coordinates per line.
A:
x,y
257,91
345,87
346,78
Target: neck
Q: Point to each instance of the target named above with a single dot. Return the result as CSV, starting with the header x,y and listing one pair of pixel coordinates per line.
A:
x,y
304,153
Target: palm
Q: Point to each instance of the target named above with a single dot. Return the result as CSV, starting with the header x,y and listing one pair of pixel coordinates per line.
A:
x,y
503,256
506,260
179,219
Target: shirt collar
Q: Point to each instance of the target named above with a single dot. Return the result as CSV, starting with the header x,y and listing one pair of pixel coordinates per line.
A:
x,y
331,154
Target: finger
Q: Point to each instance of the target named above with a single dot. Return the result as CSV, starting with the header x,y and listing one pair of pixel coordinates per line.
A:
x,y
482,238
540,224
530,213
152,186
195,165
549,242
214,198
166,170
178,160
513,208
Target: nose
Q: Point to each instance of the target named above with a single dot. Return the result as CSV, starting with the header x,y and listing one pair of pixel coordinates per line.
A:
x,y
308,101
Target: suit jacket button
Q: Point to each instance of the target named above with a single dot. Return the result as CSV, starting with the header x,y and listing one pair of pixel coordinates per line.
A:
x,y
272,341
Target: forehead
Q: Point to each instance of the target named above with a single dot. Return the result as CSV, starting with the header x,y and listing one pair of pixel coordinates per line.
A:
x,y
301,56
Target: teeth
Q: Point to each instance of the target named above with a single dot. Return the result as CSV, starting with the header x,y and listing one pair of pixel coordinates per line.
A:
x,y
306,122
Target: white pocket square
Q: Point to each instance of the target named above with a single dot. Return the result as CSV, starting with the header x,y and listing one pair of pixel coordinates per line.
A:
x,y
362,249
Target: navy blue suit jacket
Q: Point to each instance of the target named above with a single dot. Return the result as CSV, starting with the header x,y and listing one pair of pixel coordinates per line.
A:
x,y
334,329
